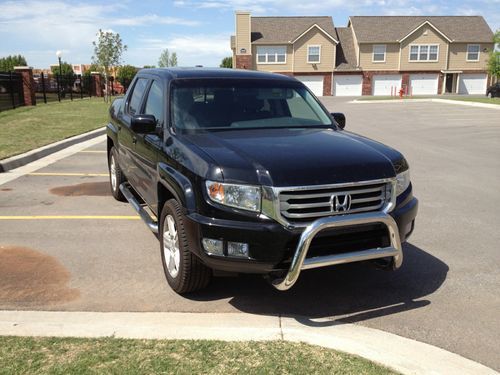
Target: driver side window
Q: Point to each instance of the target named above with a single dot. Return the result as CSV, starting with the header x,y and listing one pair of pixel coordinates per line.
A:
x,y
136,97
154,103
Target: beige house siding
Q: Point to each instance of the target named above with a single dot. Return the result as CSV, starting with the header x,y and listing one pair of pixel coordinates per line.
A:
x,y
391,57
458,57
356,45
419,37
243,33
287,67
327,58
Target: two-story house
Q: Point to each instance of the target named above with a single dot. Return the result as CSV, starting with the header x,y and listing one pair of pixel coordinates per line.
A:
x,y
304,47
373,55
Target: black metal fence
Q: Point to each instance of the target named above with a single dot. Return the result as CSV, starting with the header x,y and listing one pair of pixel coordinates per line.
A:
x,y
50,87
11,90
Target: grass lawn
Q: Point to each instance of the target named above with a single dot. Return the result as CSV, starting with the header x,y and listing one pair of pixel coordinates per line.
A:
x,y
25,128
20,355
478,100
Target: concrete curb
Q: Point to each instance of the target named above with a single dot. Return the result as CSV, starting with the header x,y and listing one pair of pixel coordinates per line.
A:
x,y
33,155
396,352
49,159
446,101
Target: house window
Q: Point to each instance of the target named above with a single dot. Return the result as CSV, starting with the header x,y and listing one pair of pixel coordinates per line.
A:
x,y
271,55
424,52
313,54
378,53
473,52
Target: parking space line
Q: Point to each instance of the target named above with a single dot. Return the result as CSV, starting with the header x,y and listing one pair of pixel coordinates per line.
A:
x,y
68,174
71,217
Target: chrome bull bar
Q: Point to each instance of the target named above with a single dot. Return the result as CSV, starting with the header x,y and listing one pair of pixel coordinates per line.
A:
x,y
299,261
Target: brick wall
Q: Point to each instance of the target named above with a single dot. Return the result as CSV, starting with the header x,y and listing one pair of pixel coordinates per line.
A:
x,y
244,62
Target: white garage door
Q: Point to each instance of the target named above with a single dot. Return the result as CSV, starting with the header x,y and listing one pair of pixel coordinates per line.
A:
x,y
314,83
472,84
424,84
384,84
347,85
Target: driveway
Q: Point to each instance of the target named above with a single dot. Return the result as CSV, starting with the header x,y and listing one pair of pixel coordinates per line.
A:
x,y
96,255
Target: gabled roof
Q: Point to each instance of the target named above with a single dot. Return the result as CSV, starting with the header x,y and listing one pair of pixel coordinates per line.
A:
x,y
372,29
284,30
346,53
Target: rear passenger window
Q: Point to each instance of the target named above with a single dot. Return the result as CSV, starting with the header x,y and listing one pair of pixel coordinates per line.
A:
x,y
154,103
135,99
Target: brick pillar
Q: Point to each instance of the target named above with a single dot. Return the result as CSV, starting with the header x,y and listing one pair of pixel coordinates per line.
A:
x,y
28,84
441,78
327,85
244,62
405,83
96,84
367,83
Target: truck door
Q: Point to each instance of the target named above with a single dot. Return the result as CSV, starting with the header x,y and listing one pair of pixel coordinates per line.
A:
x,y
126,137
148,146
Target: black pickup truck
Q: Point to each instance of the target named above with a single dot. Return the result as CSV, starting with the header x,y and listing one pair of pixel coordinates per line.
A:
x,y
247,172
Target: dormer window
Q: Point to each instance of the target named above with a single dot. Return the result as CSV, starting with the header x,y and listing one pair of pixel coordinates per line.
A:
x,y
424,52
313,54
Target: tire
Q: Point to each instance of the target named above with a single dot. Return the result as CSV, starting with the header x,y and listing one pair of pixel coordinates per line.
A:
x,y
116,177
184,271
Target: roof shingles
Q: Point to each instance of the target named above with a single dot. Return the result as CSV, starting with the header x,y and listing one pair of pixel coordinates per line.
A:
x,y
373,29
283,30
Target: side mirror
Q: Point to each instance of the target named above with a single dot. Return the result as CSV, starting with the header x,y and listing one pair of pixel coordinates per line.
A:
x,y
143,124
339,119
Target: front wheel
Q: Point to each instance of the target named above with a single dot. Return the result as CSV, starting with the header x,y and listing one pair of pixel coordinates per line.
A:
x,y
184,271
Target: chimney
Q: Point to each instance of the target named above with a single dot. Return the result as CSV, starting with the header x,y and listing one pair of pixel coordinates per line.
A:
x,y
243,46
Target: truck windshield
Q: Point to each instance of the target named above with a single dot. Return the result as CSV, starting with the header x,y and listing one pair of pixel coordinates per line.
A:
x,y
211,105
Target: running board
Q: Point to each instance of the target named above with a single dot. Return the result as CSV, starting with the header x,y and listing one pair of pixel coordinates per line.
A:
x,y
150,222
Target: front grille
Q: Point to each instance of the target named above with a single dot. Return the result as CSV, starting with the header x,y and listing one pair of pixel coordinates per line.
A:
x,y
304,204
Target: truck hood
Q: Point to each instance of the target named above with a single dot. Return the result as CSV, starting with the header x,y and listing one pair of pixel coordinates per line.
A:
x,y
296,157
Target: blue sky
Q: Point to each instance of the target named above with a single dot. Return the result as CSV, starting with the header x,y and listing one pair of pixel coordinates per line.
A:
x,y
197,30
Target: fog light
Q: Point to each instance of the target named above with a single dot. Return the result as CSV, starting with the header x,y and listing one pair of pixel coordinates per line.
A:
x,y
237,249
214,247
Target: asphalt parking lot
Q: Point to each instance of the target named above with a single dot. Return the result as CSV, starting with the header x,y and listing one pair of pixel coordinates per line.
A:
x,y
97,256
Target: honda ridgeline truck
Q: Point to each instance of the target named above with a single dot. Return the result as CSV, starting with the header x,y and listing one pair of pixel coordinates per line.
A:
x,y
247,172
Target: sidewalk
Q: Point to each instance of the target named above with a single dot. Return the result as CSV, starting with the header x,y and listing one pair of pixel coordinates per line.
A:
x,y
399,353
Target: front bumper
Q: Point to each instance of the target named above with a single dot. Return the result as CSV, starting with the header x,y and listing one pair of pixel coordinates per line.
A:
x,y
276,248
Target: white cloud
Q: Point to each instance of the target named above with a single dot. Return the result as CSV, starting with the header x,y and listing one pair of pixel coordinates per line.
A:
x,y
206,50
68,26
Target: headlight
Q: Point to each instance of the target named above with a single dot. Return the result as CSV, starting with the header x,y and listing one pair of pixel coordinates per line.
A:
x,y
246,197
403,181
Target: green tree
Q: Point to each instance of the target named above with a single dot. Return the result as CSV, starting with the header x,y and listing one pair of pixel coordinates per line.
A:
x,y
66,69
173,59
149,66
494,60
125,75
108,50
166,59
8,63
227,62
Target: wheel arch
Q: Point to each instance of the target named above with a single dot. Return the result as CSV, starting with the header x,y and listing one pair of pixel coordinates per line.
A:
x,y
174,185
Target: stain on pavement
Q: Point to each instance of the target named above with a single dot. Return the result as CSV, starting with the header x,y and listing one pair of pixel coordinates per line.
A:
x,y
94,189
29,278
